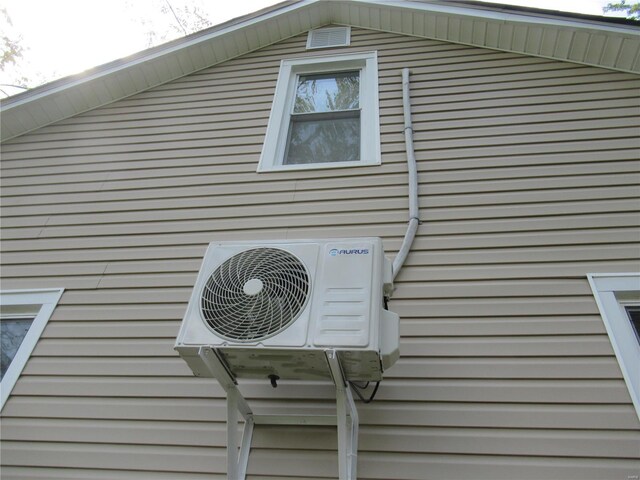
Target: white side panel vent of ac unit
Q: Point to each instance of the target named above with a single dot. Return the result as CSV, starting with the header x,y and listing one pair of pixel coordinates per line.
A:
x,y
274,307
329,37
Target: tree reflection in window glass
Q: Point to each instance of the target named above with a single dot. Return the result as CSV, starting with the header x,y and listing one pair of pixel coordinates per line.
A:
x,y
325,124
327,92
321,141
12,333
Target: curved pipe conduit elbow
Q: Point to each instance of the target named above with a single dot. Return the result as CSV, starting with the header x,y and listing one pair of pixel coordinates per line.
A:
x,y
414,212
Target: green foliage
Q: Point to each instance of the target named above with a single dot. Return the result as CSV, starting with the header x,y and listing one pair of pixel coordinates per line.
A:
x,y
631,10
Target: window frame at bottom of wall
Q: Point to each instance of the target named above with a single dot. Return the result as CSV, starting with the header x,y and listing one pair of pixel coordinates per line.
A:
x,y
614,293
38,304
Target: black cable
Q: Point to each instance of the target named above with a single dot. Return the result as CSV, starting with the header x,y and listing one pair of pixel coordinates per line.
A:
x,y
357,390
360,386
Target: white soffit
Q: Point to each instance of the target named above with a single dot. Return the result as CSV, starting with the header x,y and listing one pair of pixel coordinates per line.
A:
x,y
590,42
559,37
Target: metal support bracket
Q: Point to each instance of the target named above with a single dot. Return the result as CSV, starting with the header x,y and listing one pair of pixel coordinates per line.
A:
x,y
237,460
346,418
347,421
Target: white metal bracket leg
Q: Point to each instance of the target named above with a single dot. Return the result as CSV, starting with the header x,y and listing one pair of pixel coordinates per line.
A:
x,y
237,461
346,418
347,421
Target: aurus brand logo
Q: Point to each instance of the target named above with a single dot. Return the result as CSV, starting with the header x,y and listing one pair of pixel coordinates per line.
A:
x,y
353,251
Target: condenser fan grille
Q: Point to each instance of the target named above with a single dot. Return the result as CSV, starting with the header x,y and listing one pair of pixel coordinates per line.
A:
x,y
255,294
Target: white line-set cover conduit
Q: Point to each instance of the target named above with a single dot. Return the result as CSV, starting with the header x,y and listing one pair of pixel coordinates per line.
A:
x,y
414,218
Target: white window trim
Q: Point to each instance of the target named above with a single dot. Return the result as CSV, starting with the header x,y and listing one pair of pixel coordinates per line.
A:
x,y
40,304
278,126
614,291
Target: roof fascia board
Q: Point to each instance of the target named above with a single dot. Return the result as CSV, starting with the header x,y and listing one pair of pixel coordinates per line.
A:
x,y
122,78
479,12
155,55
417,6
577,44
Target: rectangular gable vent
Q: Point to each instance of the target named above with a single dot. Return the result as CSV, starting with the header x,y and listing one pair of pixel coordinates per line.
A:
x,y
329,37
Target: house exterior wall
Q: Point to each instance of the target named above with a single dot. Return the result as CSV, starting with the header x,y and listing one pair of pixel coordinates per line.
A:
x,y
528,179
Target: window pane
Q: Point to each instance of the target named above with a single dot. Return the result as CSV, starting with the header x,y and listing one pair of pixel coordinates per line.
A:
x,y
321,141
634,317
327,92
12,333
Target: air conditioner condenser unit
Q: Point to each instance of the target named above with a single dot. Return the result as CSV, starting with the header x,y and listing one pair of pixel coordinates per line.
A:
x,y
274,308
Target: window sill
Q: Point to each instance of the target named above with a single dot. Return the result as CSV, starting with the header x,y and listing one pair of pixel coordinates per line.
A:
x,y
315,166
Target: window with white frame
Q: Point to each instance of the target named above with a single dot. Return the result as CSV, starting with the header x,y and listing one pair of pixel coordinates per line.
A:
x,y
618,299
23,316
324,114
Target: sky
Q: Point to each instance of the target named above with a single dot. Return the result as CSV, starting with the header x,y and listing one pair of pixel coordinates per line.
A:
x,y
63,37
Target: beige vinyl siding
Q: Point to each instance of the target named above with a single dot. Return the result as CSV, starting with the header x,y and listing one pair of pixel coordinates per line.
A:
x,y
528,174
